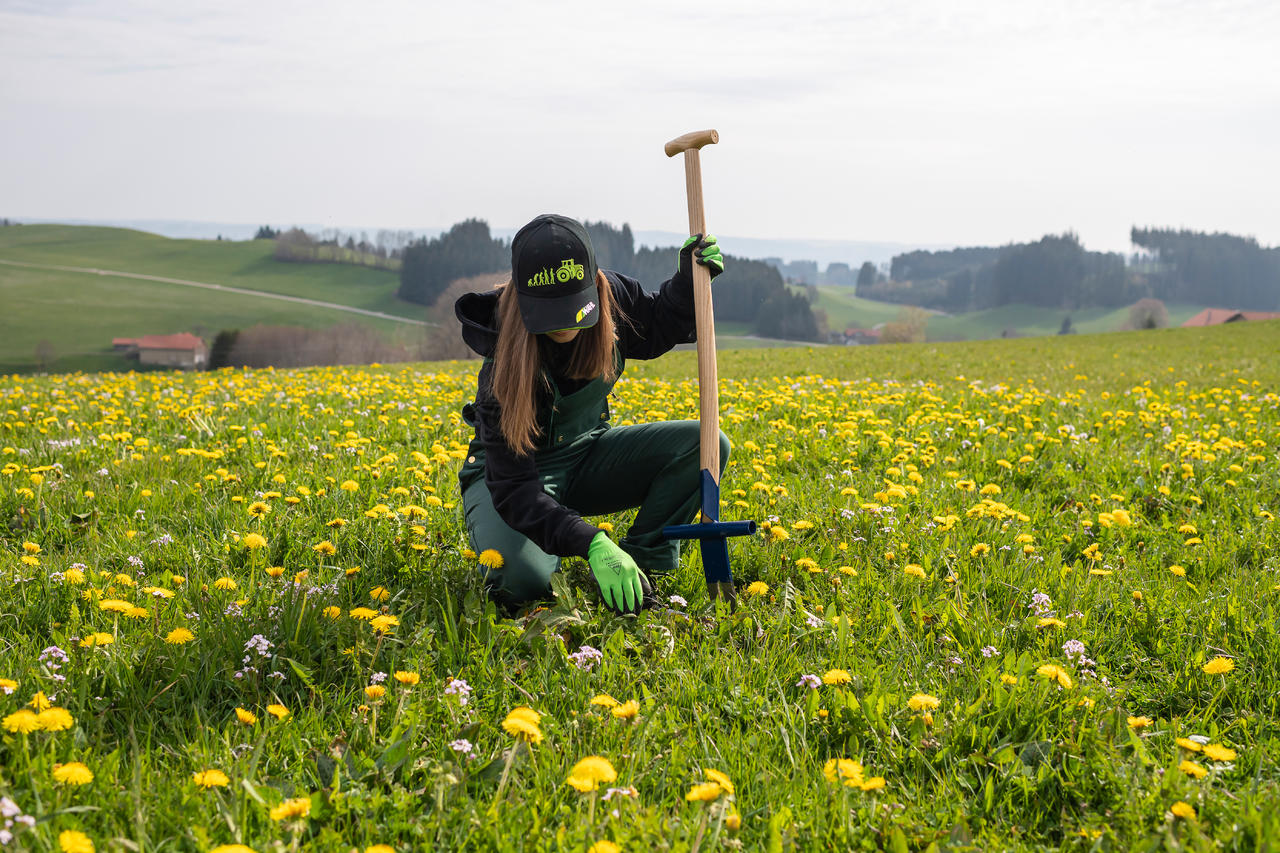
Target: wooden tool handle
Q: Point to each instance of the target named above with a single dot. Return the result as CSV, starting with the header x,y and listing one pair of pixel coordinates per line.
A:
x,y
704,316
694,140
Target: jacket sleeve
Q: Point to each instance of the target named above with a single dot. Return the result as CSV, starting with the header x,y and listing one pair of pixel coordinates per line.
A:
x,y
516,486
653,323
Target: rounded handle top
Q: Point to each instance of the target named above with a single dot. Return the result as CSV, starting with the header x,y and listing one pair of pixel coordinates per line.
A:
x,y
693,140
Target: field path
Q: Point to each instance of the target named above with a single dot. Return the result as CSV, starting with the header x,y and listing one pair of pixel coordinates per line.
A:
x,y
225,288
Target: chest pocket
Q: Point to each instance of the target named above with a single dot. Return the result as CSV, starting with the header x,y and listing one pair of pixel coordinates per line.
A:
x,y
581,413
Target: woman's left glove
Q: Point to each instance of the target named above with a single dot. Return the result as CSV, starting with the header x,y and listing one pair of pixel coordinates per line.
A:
x,y
703,249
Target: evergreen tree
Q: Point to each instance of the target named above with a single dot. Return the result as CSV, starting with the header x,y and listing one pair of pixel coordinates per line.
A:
x,y
467,249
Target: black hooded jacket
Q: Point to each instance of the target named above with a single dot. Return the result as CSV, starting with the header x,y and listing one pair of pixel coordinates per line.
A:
x,y
649,324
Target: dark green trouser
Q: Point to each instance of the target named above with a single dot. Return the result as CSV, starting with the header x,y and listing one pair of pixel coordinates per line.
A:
x,y
651,466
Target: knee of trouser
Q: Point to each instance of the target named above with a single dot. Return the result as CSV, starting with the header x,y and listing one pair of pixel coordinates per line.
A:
x,y
517,584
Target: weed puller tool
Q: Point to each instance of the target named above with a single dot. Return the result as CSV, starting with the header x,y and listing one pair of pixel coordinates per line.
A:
x,y
710,532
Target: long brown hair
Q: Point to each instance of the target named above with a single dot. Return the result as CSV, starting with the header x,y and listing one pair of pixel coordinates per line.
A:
x,y
517,365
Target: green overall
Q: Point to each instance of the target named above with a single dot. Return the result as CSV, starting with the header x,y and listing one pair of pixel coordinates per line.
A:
x,y
592,469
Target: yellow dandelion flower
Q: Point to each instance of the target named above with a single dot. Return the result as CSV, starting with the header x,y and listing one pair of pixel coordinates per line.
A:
x,y
1193,769
74,841
604,845
924,702
248,718
23,721
40,702
254,541
1053,672
703,792
349,486
325,548
296,808
72,773
375,691
522,723
363,613
1218,752
278,711
224,584
719,778
756,589
1183,810
836,677
1188,744
979,550
408,679
210,779
1140,722
274,571
384,623
589,772
914,570
604,700
115,605
627,710
379,593
1178,571
843,771
96,639
55,719
1219,666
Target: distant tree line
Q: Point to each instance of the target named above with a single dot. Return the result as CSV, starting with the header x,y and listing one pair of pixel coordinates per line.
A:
x,y
1211,269
1056,271
749,291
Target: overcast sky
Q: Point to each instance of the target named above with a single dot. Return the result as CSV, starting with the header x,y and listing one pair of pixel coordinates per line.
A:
x,y
927,122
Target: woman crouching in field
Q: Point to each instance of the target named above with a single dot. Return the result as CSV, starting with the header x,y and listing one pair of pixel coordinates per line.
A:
x,y
554,341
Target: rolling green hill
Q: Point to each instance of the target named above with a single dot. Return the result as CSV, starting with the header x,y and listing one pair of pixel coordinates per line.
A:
x,y
79,313
844,310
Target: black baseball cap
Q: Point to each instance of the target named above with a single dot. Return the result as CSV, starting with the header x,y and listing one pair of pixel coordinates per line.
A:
x,y
554,270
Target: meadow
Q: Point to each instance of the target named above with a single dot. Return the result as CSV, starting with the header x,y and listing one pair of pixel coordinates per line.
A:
x,y
1004,595
845,310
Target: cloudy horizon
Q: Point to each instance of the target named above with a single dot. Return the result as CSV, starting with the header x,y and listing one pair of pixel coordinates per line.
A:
x,y
917,123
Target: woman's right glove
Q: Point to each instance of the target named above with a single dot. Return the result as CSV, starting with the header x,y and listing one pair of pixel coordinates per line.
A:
x,y
617,574
705,250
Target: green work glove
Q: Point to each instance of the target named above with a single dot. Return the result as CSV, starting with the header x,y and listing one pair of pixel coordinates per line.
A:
x,y
616,573
707,253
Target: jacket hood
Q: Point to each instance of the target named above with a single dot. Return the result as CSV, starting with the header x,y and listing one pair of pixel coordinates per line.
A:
x,y
478,314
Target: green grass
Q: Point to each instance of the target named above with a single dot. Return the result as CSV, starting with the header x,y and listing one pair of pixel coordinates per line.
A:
x,y
927,512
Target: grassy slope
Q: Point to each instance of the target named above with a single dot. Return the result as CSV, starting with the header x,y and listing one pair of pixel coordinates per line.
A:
x,y
846,310
247,264
79,314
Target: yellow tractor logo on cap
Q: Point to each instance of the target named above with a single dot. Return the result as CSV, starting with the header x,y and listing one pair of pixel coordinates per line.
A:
x,y
569,270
